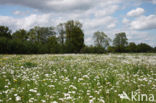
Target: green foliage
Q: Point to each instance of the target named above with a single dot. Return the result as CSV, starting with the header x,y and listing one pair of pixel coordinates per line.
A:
x,y
74,36
76,78
93,49
154,49
120,39
142,47
132,47
20,34
120,42
5,32
3,45
88,49
64,38
29,65
53,46
40,34
111,49
101,39
61,36
17,46
61,31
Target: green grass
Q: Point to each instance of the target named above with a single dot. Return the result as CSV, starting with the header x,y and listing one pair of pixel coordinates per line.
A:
x,y
29,65
76,78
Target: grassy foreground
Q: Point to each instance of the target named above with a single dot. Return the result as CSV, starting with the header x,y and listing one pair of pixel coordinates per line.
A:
x,y
76,78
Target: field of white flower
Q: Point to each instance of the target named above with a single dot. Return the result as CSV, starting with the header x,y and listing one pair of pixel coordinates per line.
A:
x,y
80,78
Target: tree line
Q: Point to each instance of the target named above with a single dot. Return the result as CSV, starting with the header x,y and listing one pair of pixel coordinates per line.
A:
x,y
66,37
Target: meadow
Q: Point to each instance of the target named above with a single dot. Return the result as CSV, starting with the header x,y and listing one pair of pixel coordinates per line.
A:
x,y
80,78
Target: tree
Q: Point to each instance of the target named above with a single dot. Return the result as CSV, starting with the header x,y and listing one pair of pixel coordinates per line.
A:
x,y
101,39
143,47
3,45
154,49
111,49
20,34
61,32
5,32
132,47
92,49
17,46
41,34
74,36
61,35
53,45
120,42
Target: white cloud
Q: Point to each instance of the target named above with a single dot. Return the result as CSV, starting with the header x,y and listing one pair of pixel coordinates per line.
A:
x,y
96,13
89,40
93,14
136,12
26,23
154,1
65,5
21,13
144,23
17,12
104,22
113,25
108,10
141,37
125,21
59,5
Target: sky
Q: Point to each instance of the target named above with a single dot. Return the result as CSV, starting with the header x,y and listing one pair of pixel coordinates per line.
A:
x,y
137,18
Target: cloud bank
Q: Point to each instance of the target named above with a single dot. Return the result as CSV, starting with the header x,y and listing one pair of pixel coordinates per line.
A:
x,y
104,15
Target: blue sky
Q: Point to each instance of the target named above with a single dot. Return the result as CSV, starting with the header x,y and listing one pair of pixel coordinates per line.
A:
x,y
135,17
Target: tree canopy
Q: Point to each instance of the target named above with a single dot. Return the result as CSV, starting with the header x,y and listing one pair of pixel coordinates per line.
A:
x,y
101,39
5,32
74,36
66,37
120,42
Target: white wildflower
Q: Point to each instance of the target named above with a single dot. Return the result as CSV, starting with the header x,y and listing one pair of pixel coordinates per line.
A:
x,y
43,101
54,102
33,90
18,98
